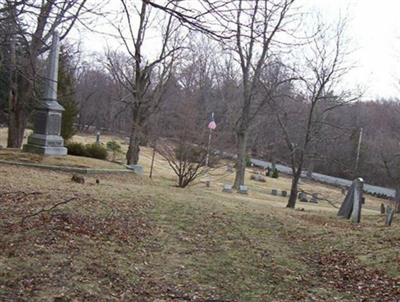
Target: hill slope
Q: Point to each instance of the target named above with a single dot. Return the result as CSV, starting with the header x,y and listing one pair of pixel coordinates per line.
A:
x,y
134,239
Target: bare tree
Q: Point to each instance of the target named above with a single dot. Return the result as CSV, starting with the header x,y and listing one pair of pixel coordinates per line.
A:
x,y
316,93
144,80
253,27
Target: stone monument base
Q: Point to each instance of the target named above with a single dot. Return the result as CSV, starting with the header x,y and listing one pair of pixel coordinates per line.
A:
x,y
45,144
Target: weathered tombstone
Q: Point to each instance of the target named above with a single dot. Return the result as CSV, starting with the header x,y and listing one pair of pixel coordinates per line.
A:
x,y
98,138
382,208
303,197
274,192
137,169
314,198
343,190
227,188
208,183
389,216
46,138
352,204
243,190
284,193
357,202
347,205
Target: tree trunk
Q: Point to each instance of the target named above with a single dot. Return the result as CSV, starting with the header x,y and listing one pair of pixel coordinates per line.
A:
x,y
397,200
132,156
241,159
16,125
293,190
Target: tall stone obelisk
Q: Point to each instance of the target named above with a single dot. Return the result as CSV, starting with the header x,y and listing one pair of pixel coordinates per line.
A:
x,y
46,138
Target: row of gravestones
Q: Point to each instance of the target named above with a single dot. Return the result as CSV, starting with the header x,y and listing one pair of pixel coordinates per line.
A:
x,y
352,204
227,188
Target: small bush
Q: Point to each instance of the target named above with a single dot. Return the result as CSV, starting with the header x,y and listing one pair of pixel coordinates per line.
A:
x,y
189,153
275,173
76,149
115,148
96,151
90,150
248,161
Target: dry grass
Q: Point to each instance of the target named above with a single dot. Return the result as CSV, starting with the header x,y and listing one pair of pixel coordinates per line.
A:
x,y
130,238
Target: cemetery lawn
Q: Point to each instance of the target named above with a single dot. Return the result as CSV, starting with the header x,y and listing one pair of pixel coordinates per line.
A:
x,y
130,238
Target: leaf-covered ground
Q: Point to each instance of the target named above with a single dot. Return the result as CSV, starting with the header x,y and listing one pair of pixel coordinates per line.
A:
x,y
132,239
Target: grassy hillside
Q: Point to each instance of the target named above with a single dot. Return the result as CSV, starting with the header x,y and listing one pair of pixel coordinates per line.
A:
x,y
130,238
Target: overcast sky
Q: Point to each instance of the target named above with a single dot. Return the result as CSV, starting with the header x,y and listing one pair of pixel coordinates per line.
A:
x,y
375,34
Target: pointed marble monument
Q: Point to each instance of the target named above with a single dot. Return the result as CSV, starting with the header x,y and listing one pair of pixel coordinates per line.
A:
x,y
46,138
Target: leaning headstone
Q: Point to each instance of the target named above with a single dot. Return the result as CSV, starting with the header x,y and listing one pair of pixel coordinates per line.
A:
x,y
243,190
358,201
137,169
229,168
303,197
208,183
382,208
46,138
284,193
274,192
347,205
389,216
227,188
352,204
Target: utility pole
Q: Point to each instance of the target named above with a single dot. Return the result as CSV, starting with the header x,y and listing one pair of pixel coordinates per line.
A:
x,y
358,150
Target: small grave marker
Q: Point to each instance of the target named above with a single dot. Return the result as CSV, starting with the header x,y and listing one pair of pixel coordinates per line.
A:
x,y
137,169
314,198
243,190
274,192
227,188
303,197
284,193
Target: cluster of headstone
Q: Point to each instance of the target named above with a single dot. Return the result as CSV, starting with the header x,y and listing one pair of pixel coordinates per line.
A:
x,y
352,204
227,188
275,192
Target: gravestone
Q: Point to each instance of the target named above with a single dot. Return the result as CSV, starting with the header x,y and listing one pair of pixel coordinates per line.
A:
x,y
314,198
137,169
274,192
46,138
98,138
352,204
208,183
389,216
284,193
243,190
303,197
227,188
